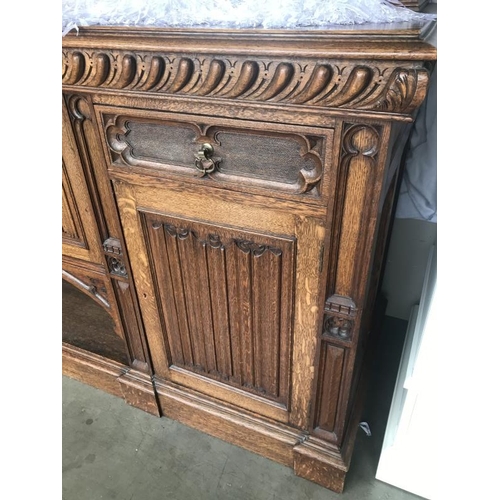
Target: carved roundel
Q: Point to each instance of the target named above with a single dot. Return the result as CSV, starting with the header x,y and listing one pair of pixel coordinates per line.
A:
x,y
361,139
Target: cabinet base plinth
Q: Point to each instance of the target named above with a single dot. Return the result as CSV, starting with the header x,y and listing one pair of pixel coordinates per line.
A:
x,y
137,390
92,369
320,464
257,434
110,376
309,457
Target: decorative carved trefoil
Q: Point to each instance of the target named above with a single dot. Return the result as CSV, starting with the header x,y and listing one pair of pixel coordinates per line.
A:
x,y
337,326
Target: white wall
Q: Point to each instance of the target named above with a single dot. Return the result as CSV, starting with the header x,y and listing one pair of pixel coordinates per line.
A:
x,y
408,251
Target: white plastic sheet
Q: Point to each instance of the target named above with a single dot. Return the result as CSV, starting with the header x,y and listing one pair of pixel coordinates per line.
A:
x,y
275,14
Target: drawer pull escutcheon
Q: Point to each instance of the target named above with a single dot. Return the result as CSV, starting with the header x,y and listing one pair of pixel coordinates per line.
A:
x,y
204,162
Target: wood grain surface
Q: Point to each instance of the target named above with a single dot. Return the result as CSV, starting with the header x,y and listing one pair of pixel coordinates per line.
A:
x,y
227,202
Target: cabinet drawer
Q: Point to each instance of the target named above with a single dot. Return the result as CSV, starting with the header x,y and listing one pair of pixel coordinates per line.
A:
x,y
283,160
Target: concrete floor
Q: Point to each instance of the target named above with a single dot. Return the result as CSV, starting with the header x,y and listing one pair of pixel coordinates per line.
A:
x,y
113,451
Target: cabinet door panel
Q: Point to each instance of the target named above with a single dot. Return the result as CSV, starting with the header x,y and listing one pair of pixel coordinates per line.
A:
x,y
221,295
226,296
80,237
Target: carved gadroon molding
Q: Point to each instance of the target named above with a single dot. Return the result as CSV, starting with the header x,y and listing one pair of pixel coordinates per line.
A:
x,y
334,84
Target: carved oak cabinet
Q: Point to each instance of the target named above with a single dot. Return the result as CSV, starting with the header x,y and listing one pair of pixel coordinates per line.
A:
x,y
227,198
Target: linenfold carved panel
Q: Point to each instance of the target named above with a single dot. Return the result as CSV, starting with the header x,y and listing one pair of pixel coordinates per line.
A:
x,y
341,84
226,298
290,162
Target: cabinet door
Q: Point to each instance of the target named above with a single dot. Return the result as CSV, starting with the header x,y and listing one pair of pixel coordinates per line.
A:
x,y
80,237
229,287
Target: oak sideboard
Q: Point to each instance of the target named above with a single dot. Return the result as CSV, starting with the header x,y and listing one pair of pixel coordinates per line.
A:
x,y
227,202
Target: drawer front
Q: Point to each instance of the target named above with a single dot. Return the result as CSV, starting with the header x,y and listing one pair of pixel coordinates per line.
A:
x,y
277,159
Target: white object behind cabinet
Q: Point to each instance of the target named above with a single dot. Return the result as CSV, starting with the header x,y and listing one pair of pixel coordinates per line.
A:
x,y
406,460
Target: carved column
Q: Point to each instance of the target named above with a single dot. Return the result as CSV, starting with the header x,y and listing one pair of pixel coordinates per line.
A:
x,y
359,183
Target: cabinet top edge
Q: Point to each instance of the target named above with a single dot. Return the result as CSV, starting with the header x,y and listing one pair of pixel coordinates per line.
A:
x,y
379,41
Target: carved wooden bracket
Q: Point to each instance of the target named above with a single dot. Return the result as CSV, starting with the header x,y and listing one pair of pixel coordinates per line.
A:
x,y
340,313
113,250
341,305
330,83
112,246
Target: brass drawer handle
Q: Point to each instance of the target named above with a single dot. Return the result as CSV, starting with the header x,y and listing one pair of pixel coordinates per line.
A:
x,y
204,161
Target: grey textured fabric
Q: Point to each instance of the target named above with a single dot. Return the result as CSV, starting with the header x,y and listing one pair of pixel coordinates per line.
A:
x,y
418,194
